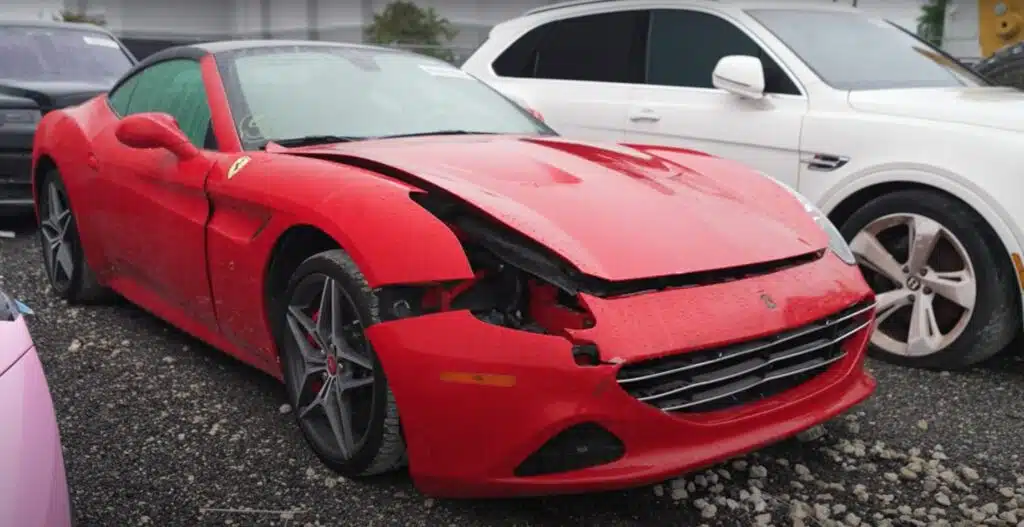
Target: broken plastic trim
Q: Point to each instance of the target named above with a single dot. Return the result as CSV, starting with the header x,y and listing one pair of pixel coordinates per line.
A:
x,y
514,248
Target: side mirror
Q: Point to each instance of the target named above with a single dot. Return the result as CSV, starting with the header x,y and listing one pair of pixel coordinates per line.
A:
x,y
740,75
155,130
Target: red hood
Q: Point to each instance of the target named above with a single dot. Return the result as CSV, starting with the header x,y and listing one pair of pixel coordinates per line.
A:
x,y
615,212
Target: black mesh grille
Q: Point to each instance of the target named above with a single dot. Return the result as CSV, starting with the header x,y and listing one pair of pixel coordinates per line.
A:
x,y
577,447
720,378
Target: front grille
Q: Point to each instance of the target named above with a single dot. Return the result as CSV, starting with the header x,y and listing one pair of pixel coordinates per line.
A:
x,y
729,376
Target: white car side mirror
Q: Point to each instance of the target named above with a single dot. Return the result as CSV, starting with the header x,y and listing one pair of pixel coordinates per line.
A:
x,y
741,75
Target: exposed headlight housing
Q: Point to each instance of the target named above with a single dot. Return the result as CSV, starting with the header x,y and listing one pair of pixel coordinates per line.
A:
x,y
836,243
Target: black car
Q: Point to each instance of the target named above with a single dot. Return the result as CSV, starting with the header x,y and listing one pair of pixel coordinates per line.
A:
x,y
45,66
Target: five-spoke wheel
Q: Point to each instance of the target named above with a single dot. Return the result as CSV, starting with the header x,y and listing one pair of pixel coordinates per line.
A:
x,y
63,259
334,381
55,233
926,291
944,289
332,369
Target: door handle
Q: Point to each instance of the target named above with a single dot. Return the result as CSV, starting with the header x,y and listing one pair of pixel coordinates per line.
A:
x,y
644,114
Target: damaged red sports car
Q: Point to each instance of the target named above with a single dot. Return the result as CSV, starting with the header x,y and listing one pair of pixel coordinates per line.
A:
x,y
441,280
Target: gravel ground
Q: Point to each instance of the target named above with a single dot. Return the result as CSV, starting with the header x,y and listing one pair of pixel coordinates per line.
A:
x,y
159,429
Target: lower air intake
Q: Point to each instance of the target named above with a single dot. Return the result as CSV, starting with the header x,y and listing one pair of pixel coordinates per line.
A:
x,y
577,447
722,378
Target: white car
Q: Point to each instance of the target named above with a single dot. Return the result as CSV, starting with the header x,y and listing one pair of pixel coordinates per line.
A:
x,y
914,157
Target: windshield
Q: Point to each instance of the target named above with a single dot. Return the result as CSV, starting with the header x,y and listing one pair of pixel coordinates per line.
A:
x,y
850,51
353,93
36,54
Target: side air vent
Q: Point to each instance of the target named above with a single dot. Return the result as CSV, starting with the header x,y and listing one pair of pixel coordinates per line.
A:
x,y
825,162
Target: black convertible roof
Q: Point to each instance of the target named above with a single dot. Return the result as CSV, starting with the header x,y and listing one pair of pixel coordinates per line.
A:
x,y
201,49
224,46
53,24
198,50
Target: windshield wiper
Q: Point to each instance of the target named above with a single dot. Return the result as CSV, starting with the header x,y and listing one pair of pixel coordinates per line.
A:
x,y
436,132
309,140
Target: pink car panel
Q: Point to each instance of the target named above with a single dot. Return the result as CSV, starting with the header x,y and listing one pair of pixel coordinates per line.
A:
x,y
33,485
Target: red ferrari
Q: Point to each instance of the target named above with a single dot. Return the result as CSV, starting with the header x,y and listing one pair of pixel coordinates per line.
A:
x,y
440,279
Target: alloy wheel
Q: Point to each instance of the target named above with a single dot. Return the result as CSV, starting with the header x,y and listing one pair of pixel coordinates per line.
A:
x,y
332,372
57,236
924,283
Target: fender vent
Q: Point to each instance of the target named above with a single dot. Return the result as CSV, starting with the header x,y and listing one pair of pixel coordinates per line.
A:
x,y
825,162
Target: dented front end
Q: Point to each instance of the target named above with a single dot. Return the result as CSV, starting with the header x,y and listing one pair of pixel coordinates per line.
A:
x,y
534,378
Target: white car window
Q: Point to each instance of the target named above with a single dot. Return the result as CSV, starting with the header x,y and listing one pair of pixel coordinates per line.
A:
x,y
850,51
606,47
685,46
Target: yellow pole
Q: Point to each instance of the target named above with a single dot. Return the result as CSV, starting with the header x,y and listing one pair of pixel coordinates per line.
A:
x,y
999,24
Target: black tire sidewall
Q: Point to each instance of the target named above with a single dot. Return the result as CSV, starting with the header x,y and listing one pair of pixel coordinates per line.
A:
x,y
994,289
365,303
70,291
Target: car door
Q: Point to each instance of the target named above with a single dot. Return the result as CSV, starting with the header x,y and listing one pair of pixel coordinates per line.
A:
x,y
576,72
155,207
677,105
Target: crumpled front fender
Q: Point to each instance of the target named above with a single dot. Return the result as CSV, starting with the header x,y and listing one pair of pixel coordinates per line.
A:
x,y
392,239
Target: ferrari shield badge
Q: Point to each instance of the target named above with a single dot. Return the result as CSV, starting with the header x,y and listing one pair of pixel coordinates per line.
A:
x,y
238,165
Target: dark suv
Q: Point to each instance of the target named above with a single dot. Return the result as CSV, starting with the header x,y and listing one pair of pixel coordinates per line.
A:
x,y
44,66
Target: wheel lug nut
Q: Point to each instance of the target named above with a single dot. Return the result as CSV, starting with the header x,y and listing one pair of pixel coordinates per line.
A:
x,y
927,291
906,269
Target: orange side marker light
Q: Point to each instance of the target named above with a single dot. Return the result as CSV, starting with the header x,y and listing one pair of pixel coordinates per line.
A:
x,y
479,379
1017,263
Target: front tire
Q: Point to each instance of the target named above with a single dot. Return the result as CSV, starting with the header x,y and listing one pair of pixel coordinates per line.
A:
x,y
337,387
63,259
945,293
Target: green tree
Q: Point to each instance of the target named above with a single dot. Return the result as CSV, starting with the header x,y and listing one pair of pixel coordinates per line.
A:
x,y
402,22
931,23
69,15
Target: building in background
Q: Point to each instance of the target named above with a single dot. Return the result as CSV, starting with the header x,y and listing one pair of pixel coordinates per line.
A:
x,y
29,10
148,25
961,29
144,22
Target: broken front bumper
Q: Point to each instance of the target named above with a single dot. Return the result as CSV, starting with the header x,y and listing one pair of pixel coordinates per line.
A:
x,y
491,411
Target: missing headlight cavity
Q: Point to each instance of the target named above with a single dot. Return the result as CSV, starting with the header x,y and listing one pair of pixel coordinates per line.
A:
x,y
515,284
499,293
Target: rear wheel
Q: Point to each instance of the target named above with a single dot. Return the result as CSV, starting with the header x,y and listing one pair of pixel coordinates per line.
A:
x,y
945,294
335,383
66,268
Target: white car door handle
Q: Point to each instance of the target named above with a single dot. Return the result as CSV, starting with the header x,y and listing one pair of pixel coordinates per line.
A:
x,y
644,114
